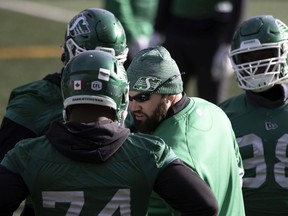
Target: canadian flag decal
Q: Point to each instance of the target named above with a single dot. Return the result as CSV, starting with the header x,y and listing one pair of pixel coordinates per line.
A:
x,y
77,85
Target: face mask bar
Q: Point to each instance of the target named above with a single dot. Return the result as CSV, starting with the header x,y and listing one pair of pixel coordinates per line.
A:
x,y
74,50
262,74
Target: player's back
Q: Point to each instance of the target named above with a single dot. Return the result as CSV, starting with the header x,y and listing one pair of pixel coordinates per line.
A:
x,y
201,135
119,186
262,135
35,105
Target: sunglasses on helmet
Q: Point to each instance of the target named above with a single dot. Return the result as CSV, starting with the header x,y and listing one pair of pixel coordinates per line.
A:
x,y
145,96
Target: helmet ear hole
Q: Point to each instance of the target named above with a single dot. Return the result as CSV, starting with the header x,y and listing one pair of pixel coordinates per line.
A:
x,y
63,57
64,113
124,99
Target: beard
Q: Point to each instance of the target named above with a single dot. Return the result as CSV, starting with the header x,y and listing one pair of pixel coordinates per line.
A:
x,y
151,123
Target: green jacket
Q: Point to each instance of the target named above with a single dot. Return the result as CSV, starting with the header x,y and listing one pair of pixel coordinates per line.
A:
x,y
202,136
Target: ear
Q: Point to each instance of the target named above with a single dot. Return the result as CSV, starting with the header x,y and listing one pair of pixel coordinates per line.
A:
x,y
170,99
173,99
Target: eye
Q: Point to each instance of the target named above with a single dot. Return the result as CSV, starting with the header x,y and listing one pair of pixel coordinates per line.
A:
x,y
256,55
142,97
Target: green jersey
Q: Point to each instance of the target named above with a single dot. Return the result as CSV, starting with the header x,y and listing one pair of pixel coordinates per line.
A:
x,y
60,186
262,135
201,135
35,105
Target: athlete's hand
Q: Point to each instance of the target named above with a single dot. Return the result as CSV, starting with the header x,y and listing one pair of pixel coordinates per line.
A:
x,y
140,43
156,39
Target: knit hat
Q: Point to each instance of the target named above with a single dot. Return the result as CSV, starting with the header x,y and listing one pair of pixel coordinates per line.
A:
x,y
150,68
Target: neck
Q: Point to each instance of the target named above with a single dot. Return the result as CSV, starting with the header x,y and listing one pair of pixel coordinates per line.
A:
x,y
90,113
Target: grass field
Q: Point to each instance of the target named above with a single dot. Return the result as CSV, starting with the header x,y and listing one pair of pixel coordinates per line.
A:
x,y
21,35
19,66
21,31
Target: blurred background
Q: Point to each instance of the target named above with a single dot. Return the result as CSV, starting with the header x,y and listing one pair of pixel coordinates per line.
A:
x,y
32,32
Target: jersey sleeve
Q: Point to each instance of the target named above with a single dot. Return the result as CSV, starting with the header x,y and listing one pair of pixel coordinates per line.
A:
x,y
163,154
150,153
7,135
14,189
185,191
15,160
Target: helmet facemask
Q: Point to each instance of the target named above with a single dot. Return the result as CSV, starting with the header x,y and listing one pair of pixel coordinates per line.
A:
x,y
73,50
259,53
259,68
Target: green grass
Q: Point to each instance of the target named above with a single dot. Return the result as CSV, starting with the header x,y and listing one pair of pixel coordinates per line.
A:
x,y
277,8
15,72
24,30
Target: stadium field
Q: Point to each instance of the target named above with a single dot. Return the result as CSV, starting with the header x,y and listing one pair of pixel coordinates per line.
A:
x,y
31,37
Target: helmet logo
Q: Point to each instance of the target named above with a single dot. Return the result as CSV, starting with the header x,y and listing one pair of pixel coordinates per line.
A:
x,y
270,126
78,26
104,74
147,83
96,85
77,85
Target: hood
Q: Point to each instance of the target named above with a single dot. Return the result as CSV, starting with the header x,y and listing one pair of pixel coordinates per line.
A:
x,y
92,143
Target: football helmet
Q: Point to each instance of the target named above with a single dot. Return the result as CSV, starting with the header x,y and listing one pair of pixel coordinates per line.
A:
x,y
259,53
96,77
95,28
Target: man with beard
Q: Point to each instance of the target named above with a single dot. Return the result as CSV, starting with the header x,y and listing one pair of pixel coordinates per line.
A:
x,y
198,131
90,164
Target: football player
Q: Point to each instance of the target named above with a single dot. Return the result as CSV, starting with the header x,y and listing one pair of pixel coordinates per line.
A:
x,y
90,164
32,107
259,116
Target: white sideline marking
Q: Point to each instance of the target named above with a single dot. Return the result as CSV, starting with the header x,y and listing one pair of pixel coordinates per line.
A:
x,y
38,10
